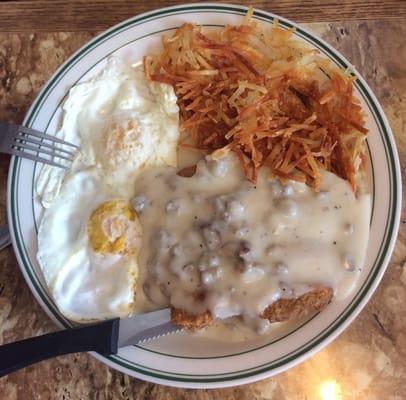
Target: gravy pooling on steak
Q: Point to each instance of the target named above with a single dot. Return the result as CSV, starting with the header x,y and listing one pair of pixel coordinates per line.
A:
x,y
217,242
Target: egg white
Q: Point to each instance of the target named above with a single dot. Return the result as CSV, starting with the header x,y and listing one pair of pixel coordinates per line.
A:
x,y
92,286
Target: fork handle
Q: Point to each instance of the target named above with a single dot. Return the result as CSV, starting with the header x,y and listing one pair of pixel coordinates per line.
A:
x,y
101,337
5,239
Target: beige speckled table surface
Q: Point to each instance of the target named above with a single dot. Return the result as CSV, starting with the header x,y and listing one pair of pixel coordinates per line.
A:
x,y
368,361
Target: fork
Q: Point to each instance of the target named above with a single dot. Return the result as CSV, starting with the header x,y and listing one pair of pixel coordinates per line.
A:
x,y
32,144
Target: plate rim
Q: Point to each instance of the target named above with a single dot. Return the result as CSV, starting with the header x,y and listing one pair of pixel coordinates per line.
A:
x,y
390,241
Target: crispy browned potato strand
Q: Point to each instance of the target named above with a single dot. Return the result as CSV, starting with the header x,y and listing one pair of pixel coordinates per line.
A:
x,y
265,95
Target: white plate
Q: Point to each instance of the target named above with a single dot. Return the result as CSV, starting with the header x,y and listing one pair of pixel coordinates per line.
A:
x,y
185,360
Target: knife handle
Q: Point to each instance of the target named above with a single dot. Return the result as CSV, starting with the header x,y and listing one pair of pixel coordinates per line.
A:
x,y
101,337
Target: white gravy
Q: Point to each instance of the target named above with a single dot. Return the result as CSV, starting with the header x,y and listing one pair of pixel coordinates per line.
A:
x,y
217,242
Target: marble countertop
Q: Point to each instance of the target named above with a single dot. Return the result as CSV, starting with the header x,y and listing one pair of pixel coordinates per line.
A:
x,y
367,361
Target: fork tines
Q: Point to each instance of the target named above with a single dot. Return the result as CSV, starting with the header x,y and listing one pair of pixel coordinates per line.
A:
x,y
35,145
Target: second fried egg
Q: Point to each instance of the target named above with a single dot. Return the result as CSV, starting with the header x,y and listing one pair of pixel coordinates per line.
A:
x,y
88,243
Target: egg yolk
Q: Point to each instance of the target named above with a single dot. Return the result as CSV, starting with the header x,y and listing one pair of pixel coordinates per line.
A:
x,y
114,227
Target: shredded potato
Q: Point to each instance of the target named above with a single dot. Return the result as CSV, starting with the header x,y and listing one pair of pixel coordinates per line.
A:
x,y
266,96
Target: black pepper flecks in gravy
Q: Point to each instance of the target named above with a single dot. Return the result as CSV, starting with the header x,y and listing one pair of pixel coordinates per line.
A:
x,y
217,242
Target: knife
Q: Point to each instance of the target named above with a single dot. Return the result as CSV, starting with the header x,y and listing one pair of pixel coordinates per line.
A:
x,y
104,337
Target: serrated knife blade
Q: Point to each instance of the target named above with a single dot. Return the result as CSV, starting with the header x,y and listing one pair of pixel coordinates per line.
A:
x,y
145,327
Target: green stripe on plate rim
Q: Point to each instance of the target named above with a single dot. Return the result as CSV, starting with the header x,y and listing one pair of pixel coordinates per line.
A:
x,y
385,136
33,177
35,225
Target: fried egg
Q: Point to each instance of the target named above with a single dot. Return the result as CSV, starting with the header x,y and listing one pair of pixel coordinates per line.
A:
x,y
89,237
87,247
121,123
